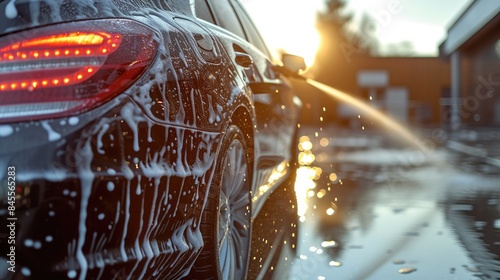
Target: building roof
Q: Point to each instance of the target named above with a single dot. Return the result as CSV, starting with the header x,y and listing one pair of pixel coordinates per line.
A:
x,y
475,18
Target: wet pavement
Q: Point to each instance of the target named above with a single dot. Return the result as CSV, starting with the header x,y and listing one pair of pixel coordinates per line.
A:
x,y
372,207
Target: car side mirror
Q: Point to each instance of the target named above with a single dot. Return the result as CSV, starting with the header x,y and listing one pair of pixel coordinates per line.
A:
x,y
293,63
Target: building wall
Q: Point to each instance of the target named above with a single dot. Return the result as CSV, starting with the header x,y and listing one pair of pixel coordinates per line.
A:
x,y
474,38
481,81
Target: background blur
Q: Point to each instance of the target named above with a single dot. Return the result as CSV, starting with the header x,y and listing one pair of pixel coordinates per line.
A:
x,y
399,159
397,55
415,27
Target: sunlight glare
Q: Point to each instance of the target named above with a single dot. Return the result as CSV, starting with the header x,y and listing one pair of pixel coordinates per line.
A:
x,y
288,25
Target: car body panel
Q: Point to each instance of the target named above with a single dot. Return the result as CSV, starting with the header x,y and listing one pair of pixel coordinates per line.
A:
x,y
121,188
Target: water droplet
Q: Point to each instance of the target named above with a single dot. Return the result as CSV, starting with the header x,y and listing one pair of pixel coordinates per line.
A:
x,y
26,271
28,242
37,245
406,270
333,177
471,268
111,186
73,121
335,264
71,274
310,193
324,142
329,244
49,238
321,193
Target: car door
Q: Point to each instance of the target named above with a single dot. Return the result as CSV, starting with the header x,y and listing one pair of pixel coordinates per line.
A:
x,y
275,104
276,107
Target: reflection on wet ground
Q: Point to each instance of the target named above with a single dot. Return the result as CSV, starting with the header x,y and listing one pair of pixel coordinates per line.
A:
x,y
370,208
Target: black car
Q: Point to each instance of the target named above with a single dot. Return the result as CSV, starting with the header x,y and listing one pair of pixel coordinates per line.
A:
x,y
138,139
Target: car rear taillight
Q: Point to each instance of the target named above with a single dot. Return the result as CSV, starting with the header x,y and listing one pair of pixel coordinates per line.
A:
x,y
70,68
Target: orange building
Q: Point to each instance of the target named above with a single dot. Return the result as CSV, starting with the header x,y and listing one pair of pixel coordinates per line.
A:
x,y
407,88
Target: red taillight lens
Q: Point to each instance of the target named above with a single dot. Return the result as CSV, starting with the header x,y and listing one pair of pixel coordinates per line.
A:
x,y
55,61
70,68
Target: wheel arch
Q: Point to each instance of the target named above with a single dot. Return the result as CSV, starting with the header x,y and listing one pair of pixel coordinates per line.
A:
x,y
240,127
245,121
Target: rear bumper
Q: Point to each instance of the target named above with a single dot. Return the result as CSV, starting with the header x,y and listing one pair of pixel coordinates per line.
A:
x,y
89,204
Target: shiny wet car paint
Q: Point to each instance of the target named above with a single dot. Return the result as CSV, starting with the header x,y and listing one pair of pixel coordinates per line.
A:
x,y
119,184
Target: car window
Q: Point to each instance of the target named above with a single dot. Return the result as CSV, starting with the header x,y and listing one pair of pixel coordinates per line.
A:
x,y
203,11
226,16
253,35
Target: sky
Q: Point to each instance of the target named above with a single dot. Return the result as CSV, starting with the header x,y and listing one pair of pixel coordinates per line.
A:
x,y
289,24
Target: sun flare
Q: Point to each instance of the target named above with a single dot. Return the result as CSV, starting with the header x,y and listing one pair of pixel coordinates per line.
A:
x,y
288,25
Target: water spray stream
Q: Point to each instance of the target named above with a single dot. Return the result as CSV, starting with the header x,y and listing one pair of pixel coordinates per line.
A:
x,y
383,119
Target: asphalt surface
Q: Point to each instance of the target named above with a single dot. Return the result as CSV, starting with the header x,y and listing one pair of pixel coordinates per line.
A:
x,y
371,206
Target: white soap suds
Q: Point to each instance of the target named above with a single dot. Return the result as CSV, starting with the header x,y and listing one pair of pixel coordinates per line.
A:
x,y
28,243
111,186
73,120
86,178
6,130
53,136
71,274
10,10
155,165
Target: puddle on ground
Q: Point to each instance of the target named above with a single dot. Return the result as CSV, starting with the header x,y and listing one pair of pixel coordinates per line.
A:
x,y
387,220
